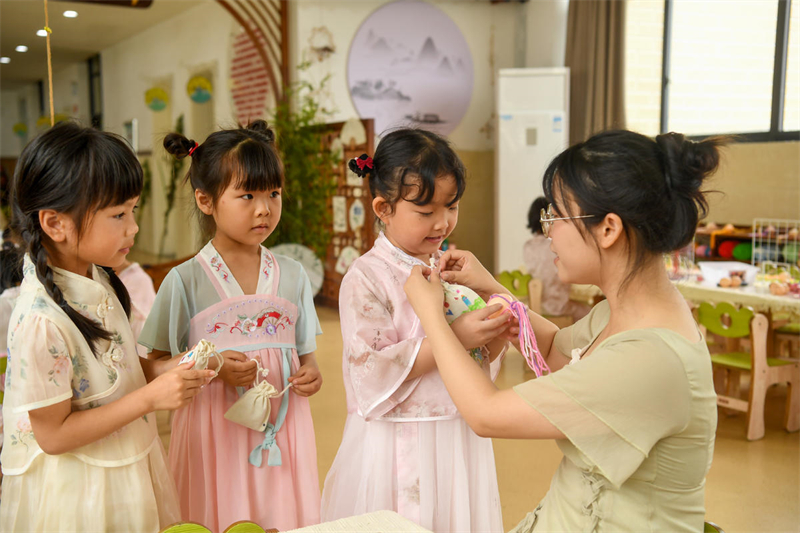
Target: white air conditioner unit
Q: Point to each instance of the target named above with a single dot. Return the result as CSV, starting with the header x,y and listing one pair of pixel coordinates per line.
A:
x,y
533,127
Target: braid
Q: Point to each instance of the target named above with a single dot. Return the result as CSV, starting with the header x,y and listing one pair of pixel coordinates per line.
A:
x,y
90,330
119,288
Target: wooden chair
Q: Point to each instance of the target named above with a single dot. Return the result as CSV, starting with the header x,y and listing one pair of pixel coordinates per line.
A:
x,y
745,325
535,288
787,340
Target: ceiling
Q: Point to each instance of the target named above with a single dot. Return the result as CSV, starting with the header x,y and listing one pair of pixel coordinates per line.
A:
x,y
97,27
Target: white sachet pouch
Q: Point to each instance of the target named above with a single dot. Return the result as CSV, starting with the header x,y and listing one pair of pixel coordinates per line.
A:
x,y
252,410
200,354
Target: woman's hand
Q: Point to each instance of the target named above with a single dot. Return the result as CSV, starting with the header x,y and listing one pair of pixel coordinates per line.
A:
x,y
463,268
175,388
426,297
476,329
237,370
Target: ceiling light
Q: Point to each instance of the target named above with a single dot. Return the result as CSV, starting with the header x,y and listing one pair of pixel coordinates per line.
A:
x,y
5,60
42,33
70,14
21,48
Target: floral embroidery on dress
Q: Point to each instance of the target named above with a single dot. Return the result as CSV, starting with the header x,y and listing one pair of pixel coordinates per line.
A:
x,y
269,320
61,365
83,310
82,386
24,433
218,265
268,263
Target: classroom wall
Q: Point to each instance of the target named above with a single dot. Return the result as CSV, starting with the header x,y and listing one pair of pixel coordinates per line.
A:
x,y
756,180
504,35
167,55
20,103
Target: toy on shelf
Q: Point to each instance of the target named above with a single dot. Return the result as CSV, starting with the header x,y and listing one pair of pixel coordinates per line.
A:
x,y
778,279
776,240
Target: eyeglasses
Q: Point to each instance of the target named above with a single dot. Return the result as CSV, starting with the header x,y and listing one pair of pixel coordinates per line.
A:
x,y
546,219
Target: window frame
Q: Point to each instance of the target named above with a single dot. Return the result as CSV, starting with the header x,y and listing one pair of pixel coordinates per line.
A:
x,y
775,132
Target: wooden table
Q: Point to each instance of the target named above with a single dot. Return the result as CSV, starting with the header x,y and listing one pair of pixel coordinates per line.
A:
x,y
375,522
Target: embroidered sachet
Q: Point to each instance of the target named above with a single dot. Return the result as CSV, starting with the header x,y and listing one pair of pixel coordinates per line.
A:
x,y
200,354
252,410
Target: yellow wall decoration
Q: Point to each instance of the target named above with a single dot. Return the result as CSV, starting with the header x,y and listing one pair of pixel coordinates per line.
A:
x,y
199,89
156,98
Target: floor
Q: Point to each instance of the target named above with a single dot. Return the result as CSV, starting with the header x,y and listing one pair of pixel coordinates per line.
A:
x,y
752,486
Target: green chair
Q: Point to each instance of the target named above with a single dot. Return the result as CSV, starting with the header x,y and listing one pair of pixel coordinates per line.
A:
x,y
516,282
730,322
711,527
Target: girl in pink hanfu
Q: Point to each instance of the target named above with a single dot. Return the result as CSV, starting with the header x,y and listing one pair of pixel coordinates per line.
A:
x,y
258,309
143,294
405,447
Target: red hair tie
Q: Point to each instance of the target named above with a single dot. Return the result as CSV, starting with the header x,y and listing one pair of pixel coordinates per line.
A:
x,y
191,151
364,163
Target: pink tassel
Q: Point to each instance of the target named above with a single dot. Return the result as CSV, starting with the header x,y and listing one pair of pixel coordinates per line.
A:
x,y
527,339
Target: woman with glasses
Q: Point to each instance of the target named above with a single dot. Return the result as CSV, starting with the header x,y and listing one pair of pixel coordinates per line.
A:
x,y
630,399
539,260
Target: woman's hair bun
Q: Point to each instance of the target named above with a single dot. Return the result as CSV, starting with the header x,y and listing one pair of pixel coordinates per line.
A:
x,y
178,145
261,126
362,166
688,163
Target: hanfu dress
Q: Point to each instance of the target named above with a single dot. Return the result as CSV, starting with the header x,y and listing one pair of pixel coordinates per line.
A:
x,y
405,447
118,483
226,472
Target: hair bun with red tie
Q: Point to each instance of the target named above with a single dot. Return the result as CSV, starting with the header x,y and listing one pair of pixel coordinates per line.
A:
x,y
362,166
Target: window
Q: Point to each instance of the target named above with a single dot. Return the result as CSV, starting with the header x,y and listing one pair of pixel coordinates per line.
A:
x,y
727,67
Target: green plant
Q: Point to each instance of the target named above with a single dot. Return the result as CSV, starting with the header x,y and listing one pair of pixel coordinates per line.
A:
x,y
147,186
309,180
171,188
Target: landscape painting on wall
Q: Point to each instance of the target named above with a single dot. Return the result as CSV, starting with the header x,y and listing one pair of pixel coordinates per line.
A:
x,y
409,65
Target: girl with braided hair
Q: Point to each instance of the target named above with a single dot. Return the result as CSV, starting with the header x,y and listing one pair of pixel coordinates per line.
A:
x,y
257,308
81,450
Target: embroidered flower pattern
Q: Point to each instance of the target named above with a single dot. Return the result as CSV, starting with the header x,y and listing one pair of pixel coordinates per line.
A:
x,y
61,365
268,263
268,320
24,433
82,386
218,266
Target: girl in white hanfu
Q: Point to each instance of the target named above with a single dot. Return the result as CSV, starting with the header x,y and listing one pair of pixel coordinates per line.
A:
x,y
405,446
81,451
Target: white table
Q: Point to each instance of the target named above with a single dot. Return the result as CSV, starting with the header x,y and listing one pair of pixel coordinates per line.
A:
x,y
746,296
376,522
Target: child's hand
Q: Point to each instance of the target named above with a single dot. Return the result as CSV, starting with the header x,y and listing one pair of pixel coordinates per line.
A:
x,y
237,370
308,379
463,268
475,329
426,297
176,388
